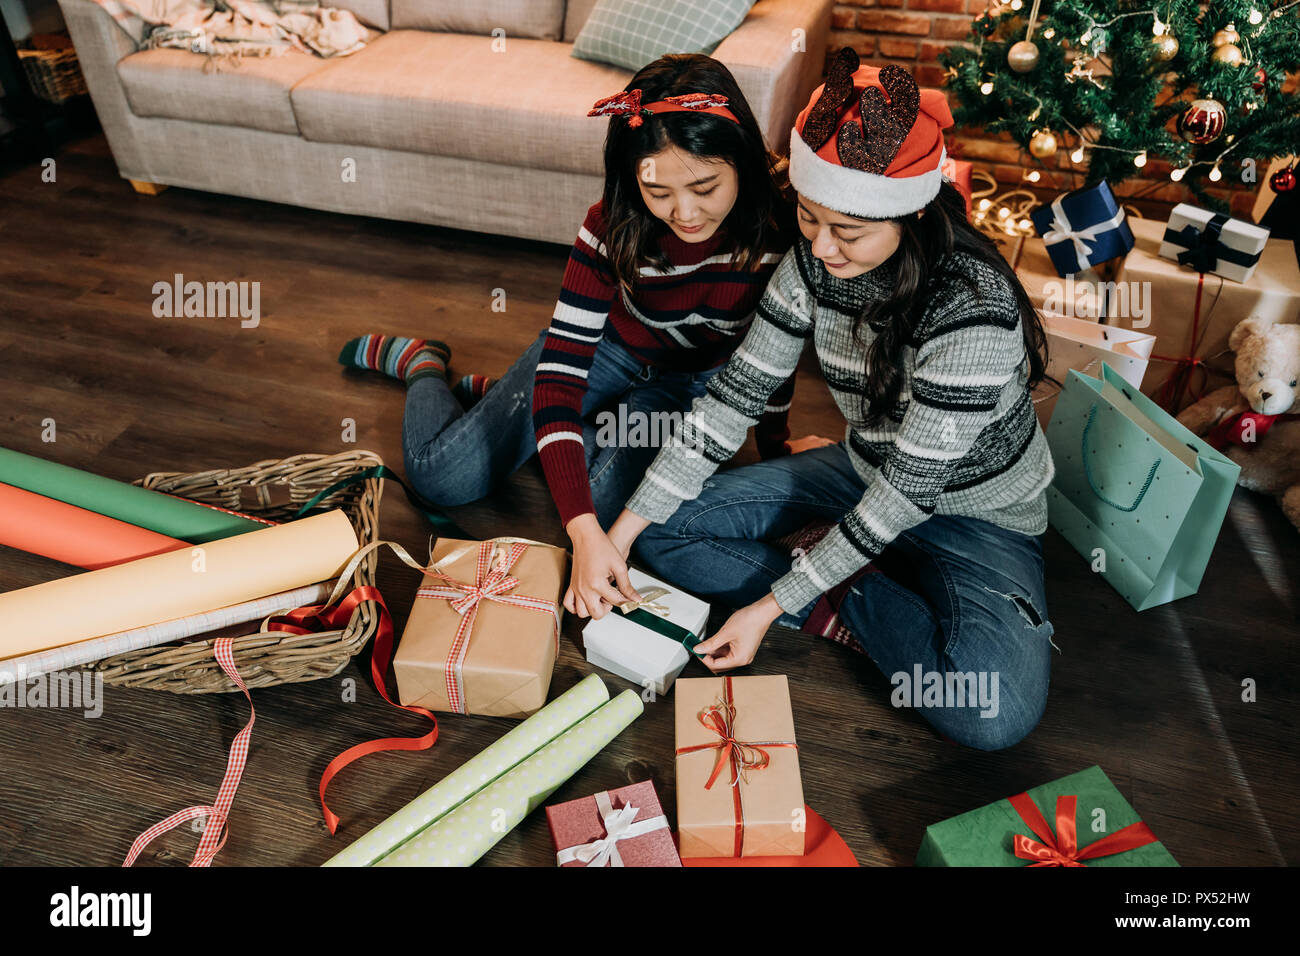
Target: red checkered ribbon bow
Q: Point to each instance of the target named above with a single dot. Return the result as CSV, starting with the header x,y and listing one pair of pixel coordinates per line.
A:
x,y
492,581
1063,848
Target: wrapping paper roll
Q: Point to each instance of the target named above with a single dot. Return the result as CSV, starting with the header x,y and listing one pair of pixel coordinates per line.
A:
x,y
173,517
175,585
469,831
520,743
64,532
73,655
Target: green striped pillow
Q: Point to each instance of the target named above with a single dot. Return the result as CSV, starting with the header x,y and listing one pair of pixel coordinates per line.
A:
x,y
632,33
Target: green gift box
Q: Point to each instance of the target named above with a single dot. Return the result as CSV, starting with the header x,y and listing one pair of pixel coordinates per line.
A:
x,y
1046,823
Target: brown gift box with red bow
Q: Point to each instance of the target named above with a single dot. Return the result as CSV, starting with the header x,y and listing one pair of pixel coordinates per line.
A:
x,y
739,791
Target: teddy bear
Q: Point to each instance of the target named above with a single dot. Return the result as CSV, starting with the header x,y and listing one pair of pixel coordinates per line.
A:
x,y
1256,422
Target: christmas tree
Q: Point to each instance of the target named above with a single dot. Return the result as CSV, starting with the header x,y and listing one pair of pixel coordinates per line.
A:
x,y
1119,82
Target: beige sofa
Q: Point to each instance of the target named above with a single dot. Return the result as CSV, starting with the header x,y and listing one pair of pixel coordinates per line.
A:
x,y
432,122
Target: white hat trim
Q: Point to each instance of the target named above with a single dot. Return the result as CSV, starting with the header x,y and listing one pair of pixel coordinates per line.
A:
x,y
855,192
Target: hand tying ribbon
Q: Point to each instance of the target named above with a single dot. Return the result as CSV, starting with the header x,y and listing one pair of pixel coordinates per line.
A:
x,y
741,755
492,581
650,614
1063,848
1084,239
619,825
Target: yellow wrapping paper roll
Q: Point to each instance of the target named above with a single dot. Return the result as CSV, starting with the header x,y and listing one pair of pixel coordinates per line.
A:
x,y
174,585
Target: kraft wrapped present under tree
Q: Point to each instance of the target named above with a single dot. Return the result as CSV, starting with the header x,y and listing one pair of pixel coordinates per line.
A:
x,y
1194,313
1212,242
1079,820
483,633
1083,228
1080,296
623,827
739,791
1082,345
1139,496
648,642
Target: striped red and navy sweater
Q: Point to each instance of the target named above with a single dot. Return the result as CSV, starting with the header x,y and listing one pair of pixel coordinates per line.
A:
x,y
689,317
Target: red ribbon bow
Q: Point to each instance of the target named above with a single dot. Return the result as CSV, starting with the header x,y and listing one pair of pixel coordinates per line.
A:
x,y
1232,430
741,755
1063,848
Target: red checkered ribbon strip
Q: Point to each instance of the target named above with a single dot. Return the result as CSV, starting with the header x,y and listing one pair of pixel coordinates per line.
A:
x,y
741,755
492,582
1062,849
214,831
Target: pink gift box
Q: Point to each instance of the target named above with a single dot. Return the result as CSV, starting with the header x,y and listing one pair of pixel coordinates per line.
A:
x,y
580,826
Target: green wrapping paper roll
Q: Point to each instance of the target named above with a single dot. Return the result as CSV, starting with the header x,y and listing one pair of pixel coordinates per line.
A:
x,y
469,831
454,789
141,507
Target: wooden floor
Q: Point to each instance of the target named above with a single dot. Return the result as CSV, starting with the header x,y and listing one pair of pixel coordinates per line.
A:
x,y
1155,699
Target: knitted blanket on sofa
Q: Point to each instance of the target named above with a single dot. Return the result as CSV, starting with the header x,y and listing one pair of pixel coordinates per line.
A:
x,y
238,28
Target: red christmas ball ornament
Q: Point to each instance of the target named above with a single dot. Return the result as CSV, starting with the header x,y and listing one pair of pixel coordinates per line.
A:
x,y
1283,181
1203,122
1260,81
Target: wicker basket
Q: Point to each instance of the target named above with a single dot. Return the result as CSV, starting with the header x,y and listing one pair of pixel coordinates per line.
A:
x,y
274,489
52,69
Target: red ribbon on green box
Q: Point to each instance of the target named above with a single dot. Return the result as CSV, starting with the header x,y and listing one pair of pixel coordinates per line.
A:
x,y
1062,849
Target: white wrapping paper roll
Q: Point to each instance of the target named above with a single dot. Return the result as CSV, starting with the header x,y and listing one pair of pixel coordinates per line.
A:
x,y
165,587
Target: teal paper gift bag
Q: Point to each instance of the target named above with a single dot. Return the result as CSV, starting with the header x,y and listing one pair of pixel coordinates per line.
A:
x,y
1136,493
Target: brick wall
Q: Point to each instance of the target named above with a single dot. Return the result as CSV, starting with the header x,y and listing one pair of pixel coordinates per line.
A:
x,y
913,34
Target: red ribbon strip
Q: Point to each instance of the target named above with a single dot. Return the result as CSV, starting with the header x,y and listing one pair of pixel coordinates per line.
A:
x,y
307,620
214,831
741,755
1171,392
1063,848
1232,430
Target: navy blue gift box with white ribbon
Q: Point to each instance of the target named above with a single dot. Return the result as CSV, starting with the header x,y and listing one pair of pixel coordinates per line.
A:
x,y
1083,228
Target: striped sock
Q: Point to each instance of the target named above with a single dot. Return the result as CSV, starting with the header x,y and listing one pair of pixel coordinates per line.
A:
x,y
401,358
471,388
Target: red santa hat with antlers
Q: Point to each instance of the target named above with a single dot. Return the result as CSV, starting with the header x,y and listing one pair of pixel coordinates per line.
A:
x,y
870,143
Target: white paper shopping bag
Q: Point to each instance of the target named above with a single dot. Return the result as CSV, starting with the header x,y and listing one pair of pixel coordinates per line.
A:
x,y
1083,346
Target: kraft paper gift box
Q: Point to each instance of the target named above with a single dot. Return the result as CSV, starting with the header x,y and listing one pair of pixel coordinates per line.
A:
x,y
623,827
1209,242
1083,346
1081,296
1076,820
1083,228
1192,314
492,656
651,643
737,730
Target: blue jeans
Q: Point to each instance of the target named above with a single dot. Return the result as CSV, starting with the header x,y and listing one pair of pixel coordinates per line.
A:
x,y
455,456
954,595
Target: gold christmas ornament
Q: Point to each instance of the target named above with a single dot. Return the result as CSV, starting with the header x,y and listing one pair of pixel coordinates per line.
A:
x,y
1043,144
1228,55
1023,56
1228,35
1164,48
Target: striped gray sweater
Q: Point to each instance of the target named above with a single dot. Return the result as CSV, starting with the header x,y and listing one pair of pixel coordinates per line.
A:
x,y
962,439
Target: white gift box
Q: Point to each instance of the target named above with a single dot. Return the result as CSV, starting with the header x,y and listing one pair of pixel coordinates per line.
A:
x,y
1082,345
633,651
1239,240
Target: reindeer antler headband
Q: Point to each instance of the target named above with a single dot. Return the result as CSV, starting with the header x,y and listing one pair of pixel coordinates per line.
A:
x,y
628,103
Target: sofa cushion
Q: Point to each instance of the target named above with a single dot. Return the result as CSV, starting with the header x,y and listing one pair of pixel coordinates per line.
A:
x,y
632,33
373,13
575,17
449,94
533,19
178,84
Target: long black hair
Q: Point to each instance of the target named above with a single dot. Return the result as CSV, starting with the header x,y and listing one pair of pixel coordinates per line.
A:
x,y
761,219
925,246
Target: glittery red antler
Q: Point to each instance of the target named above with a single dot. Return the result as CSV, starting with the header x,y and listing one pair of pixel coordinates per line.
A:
x,y
884,124
697,101
825,114
627,103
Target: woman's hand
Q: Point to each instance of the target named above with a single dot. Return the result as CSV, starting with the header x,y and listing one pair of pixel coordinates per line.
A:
x,y
737,642
808,443
597,562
